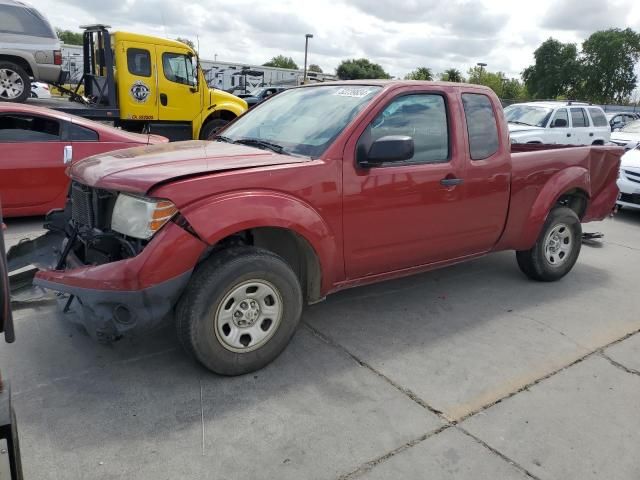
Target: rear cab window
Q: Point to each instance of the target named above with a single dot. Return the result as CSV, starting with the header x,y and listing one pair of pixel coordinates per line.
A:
x,y
139,62
28,128
598,117
482,127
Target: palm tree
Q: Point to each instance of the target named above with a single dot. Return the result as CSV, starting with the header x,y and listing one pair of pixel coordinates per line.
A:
x,y
422,73
452,75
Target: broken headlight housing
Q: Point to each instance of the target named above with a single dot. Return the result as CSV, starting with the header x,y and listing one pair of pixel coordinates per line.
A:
x,y
140,217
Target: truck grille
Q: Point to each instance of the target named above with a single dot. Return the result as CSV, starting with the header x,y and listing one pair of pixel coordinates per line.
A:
x,y
91,207
630,198
632,176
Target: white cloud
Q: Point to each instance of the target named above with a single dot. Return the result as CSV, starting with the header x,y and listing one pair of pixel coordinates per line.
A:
x,y
400,35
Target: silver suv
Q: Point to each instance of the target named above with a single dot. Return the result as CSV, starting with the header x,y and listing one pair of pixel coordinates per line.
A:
x,y
29,48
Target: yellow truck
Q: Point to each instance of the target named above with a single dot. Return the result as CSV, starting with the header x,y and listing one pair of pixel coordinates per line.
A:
x,y
147,84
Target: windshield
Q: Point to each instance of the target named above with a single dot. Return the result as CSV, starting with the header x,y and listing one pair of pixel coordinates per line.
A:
x,y
633,127
302,121
528,115
257,92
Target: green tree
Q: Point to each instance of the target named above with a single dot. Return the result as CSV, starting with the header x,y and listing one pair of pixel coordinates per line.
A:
x,y
360,68
187,42
556,71
608,61
452,75
513,89
493,80
69,37
315,68
421,73
281,62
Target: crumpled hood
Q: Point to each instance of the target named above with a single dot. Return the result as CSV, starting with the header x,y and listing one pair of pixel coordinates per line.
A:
x,y
139,169
514,128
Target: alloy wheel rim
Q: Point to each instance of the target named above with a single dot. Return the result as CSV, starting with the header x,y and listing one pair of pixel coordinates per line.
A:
x,y
248,316
11,84
558,245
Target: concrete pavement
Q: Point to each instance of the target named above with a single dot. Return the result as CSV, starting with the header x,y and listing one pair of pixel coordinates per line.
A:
x,y
468,372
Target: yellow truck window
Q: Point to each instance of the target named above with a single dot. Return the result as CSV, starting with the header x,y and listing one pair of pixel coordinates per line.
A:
x,y
139,62
178,68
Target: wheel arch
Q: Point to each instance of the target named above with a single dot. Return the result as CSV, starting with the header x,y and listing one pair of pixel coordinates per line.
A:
x,y
19,59
277,222
568,187
288,244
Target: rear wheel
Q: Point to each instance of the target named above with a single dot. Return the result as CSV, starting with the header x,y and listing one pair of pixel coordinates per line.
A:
x,y
557,248
211,128
240,310
15,84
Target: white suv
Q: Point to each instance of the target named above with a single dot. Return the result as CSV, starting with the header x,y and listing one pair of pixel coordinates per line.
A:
x,y
565,123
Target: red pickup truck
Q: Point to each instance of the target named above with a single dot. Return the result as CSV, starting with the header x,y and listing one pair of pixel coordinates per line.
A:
x,y
319,189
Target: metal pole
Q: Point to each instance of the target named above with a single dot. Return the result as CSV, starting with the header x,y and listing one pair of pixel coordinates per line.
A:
x,y
306,49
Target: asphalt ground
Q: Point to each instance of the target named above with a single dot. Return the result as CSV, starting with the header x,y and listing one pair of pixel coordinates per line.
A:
x,y
471,372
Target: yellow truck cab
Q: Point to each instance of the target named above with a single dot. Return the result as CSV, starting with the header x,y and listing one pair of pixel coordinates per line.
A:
x,y
160,80
148,84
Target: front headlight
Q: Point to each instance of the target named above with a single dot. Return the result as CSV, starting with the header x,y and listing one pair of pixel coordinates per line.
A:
x,y
140,217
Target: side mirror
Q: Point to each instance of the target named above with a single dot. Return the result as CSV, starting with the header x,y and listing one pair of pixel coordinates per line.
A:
x,y
392,148
559,123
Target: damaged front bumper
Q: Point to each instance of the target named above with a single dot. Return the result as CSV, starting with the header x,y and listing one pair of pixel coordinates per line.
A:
x,y
120,296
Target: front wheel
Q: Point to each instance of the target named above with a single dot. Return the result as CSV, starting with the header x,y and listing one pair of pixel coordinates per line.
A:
x,y
211,128
240,310
557,248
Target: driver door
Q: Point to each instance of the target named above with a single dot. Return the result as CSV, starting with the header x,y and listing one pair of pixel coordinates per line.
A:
x,y
177,86
559,134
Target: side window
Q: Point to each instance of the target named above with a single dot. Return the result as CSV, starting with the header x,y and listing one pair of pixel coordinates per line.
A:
x,y
481,125
578,118
422,117
178,68
82,134
139,62
28,128
598,118
563,116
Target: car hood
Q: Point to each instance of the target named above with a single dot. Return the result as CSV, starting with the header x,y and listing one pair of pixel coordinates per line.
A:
x,y
514,128
139,169
631,159
625,137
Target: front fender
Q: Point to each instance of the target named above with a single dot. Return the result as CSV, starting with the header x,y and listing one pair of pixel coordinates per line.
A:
x,y
563,181
217,218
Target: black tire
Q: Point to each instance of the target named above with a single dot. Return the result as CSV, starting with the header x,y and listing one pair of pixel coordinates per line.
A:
x,y
216,279
535,263
11,68
210,129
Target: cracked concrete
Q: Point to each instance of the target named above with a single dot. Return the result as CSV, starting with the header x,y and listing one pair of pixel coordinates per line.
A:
x,y
469,372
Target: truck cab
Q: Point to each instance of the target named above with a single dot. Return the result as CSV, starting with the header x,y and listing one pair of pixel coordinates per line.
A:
x,y
147,84
160,83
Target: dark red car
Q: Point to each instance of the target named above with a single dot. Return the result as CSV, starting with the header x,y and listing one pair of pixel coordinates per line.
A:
x,y
36,144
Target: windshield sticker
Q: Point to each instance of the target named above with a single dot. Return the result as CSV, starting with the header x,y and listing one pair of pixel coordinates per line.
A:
x,y
355,92
139,91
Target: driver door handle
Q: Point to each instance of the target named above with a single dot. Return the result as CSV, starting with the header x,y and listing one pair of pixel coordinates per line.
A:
x,y
451,182
163,99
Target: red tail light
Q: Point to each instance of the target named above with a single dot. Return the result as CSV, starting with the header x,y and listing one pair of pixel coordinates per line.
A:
x,y
57,57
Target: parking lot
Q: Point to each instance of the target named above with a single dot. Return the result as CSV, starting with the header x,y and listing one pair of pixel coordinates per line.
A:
x,y
468,372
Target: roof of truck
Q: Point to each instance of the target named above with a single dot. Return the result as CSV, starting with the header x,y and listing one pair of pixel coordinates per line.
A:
x,y
136,37
400,83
